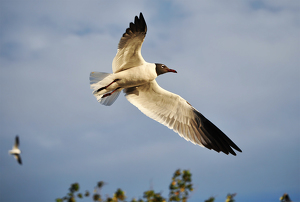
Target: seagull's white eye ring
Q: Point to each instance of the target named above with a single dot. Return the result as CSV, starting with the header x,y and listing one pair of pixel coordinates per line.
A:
x,y
163,66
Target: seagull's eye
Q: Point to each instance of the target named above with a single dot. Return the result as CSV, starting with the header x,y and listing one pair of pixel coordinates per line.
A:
x,y
163,66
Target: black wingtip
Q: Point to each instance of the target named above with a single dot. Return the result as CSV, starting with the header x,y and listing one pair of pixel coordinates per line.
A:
x,y
20,161
17,140
215,138
139,25
136,28
142,17
142,23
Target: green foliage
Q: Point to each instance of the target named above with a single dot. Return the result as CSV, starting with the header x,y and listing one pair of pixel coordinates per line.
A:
x,y
151,196
180,188
74,188
230,198
285,198
211,199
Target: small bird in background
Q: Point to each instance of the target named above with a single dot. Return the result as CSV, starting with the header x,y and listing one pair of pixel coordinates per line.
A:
x,y
16,151
136,77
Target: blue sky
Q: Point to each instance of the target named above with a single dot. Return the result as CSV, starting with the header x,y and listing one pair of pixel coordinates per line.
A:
x,y
237,63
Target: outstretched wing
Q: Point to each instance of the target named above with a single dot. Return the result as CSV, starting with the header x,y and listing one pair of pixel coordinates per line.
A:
x,y
18,158
129,48
176,113
17,142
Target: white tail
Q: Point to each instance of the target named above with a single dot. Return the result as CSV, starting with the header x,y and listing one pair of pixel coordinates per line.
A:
x,y
95,82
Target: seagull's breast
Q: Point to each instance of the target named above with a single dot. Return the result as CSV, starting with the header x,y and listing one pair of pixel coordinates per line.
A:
x,y
136,76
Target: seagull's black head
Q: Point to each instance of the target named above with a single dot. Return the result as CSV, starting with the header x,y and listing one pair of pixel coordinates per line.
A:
x,y
161,69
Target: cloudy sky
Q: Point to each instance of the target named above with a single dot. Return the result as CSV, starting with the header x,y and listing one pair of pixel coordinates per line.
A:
x,y
237,63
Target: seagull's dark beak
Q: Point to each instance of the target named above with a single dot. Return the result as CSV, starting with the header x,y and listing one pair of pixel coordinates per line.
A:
x,y
172,70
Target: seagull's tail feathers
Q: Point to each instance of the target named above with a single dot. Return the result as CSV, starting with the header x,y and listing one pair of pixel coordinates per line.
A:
x,y
109,100
98,80
95,77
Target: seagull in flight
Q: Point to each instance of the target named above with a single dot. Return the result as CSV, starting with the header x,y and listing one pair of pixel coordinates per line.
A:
x,y
136,77
16,151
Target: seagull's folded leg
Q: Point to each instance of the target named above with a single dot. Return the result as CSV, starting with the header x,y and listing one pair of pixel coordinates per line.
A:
x,y
108,94
105,87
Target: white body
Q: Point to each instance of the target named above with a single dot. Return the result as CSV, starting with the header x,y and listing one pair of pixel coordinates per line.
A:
x,y
16,151
134,76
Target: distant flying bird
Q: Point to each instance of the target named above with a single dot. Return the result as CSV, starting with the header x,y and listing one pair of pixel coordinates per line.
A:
x,y
16,151
136,77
